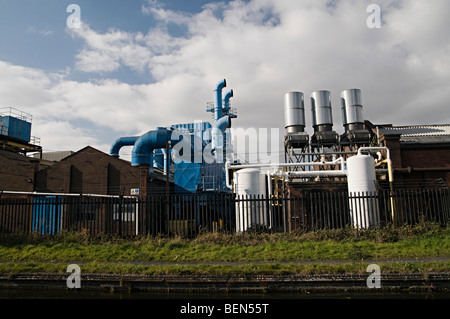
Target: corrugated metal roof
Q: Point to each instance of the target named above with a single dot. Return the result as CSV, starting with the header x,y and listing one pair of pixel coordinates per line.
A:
x,y
425,134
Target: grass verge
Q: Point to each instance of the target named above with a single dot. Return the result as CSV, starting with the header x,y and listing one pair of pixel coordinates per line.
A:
x,y
279,252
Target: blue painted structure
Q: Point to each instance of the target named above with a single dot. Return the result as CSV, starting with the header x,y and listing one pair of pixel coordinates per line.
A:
x,y
191,173
15,127
47,215
121,142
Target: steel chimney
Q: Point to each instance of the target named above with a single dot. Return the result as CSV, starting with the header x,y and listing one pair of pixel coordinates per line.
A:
x,y
352,110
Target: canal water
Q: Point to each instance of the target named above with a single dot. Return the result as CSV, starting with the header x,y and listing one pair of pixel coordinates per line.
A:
x,y
22,293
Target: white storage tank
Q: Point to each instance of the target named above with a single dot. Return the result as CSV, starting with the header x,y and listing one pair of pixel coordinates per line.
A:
x,y
250,212
361,179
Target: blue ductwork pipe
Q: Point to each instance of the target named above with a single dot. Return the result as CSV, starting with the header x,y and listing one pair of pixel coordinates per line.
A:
x,y
121,142
147,143
226,101
218,132
156,140
218,112
159,159
159,155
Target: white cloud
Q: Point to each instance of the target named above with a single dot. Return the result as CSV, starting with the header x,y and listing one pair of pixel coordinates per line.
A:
x,y
59,105
63,136
268,47
156,9
106,52
43,32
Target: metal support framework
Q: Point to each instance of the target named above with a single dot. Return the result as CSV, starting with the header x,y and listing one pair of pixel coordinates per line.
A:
x,y
18,146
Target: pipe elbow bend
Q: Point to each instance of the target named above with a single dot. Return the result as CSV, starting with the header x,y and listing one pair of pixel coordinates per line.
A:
x,y
146,144
222,84
121,142
222,124
226,100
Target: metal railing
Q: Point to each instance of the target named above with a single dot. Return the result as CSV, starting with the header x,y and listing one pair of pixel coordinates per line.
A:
x,y
13,112
192,214
49,215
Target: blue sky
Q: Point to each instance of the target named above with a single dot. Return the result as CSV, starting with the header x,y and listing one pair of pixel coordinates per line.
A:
x,y
36,35
138,64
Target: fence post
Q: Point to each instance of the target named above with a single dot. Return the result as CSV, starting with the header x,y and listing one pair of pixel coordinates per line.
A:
x,y
120,214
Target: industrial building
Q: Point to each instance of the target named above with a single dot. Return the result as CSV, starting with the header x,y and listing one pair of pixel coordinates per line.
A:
x,y
419,152
192,172
186,177
88,171
25,168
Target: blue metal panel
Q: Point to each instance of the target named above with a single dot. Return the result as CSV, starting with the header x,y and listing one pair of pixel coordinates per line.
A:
x,y
4,125
187,176
16,128
47,215
158,159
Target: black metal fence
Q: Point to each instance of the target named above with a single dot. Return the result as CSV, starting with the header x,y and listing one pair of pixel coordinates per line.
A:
x,y
190,215
49,215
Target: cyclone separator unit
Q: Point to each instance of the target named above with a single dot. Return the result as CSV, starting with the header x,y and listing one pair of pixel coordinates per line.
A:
x,y
202,147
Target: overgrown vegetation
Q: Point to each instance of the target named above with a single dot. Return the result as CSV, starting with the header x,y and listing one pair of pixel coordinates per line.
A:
x,y
217,253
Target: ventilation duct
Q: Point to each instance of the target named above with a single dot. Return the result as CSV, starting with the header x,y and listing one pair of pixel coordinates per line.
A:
x,y
294,112
121,142
322,115
226,102
353,119
218,111
352,110
294,120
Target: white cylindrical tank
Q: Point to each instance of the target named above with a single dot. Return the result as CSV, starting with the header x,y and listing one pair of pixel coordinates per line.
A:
x,y
361,179
250,213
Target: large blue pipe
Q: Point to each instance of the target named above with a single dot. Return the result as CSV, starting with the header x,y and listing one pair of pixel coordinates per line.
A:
x,y
218,132
121,142
218,112
147,143
155,140
226,101
159,155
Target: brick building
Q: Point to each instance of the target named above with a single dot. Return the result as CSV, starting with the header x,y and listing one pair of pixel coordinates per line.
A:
x,y
419,152
17,172
88,171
